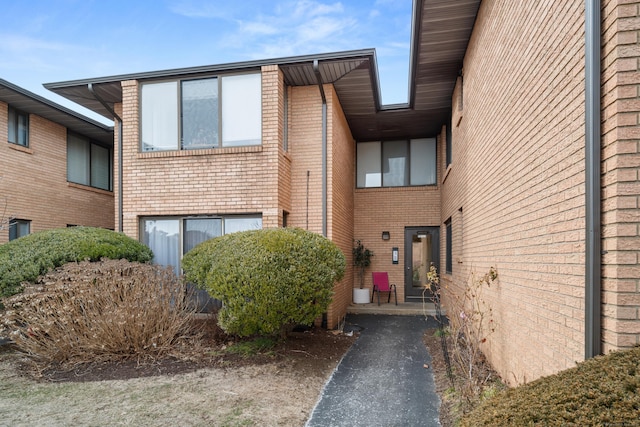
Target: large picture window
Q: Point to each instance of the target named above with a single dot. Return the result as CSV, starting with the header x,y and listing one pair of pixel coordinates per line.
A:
x,y
202,113
170,238
88,163
18,125
396,163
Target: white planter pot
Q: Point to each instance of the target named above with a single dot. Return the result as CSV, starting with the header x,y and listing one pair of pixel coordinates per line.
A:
x,y
361,296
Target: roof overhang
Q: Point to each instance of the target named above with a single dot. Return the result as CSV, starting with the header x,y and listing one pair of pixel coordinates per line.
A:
x,y
31,103
440,33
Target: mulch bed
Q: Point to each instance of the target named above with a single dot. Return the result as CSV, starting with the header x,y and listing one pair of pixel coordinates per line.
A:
x,y
307,351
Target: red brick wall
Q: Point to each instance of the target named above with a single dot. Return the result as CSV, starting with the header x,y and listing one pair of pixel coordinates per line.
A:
x,y
621,181
34,181
518,176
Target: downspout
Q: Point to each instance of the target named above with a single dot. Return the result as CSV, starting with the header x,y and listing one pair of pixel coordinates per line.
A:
x,y
316,70
119,120
593,261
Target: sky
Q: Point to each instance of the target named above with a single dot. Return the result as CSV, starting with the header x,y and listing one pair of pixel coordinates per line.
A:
x,y
45,41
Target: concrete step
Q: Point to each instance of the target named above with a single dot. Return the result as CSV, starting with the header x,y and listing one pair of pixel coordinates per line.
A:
x,y
406,309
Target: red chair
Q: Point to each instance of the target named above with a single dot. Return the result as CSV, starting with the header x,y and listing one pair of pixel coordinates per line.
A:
x,y
381,284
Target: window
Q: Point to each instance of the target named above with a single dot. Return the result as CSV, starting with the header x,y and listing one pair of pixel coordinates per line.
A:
x,y
449,251
18,127
449,142
396,163
170,238
88,163
19,228
195,114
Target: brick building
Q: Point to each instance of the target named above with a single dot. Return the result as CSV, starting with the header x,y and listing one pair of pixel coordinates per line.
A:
x,y
55,166
496,161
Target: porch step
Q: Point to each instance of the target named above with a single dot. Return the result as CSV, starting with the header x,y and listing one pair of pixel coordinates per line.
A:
x,y
406,309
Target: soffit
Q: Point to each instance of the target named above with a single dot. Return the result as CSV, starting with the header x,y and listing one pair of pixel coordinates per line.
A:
x,y
31,103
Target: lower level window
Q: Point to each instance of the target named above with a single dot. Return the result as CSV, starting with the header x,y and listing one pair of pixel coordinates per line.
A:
x,y
171,237
19,228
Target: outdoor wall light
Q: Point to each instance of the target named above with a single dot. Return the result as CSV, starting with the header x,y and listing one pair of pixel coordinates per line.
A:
x,y
394,255
386,235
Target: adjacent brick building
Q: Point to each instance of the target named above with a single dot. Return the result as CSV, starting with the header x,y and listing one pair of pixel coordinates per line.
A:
x,y
40,142
486,166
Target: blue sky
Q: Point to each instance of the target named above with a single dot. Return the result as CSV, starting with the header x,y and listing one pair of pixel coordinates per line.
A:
x,y
43,41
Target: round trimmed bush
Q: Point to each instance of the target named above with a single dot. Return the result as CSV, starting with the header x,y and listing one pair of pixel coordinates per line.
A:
x,y
268,280
26,258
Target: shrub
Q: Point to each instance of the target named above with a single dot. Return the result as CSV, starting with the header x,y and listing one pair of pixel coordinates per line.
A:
x,y
24,259
106,310
600,391
268,280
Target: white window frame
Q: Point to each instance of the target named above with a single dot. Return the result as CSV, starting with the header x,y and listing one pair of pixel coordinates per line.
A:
x,y
374,177
168,118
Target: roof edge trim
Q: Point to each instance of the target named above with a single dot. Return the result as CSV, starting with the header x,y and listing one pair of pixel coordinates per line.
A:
x,y
211,68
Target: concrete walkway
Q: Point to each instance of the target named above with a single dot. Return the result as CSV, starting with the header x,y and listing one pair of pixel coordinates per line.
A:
x,y
381,381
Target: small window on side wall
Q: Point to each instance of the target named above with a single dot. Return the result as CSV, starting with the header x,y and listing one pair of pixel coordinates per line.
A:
x,y
19,228
18,127
449,251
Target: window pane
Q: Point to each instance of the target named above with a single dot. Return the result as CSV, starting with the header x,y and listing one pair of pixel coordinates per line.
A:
x,y
13,123
423,161
160,116
18,127
23,129
200,229
368,165
163,237
100,167
394,163
19,228
231,225
241,110
199,114
449,253
77,159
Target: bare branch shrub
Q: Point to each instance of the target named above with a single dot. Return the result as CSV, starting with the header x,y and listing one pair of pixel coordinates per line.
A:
x,y
107,310
470,325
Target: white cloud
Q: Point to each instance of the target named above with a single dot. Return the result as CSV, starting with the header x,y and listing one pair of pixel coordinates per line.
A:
x,y
15,43
293,28
200,9
258,28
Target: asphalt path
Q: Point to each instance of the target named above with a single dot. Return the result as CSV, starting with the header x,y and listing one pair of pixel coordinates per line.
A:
x,y
384,379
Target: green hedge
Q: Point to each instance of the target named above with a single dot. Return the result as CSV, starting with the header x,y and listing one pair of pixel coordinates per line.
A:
x,y
26,258
268,280
598,392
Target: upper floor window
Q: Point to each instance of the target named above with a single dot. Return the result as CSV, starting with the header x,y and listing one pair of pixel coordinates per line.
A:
x,y
18,127
88,163
396,163
204,113
19,228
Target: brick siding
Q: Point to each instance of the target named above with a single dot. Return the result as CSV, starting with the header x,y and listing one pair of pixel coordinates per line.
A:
x,y
34,181
515,188
621,181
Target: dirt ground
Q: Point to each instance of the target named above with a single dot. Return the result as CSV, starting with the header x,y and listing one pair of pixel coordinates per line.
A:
x,y
213,387
278,387
443,383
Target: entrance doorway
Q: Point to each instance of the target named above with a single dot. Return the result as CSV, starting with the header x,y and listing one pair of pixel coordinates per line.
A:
x,y
421,248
